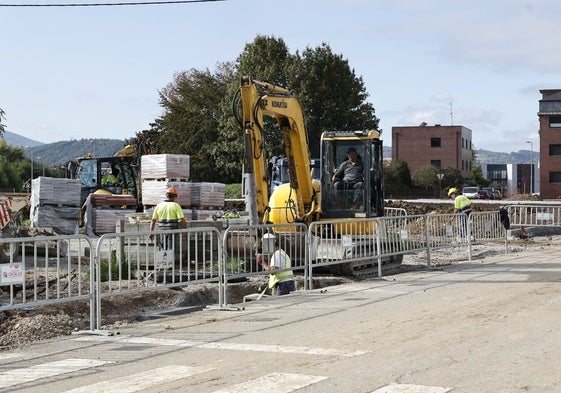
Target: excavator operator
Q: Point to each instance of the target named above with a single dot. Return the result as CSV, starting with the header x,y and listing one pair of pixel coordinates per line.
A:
x,y
349,176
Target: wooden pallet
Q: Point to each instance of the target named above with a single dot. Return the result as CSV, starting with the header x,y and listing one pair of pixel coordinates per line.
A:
x,y
113,200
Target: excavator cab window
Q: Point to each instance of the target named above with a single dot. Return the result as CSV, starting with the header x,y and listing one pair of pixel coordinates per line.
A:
x,y
351,177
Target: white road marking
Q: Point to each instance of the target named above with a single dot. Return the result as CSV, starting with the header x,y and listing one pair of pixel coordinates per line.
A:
x,y
46,370
275,382
405,388
143,380
227,346
8,355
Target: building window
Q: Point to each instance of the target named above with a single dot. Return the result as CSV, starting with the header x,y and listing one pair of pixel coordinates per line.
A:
x,y
554,177
554,121
436,163
555,150
435,142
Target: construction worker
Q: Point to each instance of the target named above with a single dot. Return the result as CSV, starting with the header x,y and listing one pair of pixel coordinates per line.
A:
x,y
349,176
111,179
281,281
462,204
169,215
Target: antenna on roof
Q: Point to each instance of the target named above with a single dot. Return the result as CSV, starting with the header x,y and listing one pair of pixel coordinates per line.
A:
x,y
451,115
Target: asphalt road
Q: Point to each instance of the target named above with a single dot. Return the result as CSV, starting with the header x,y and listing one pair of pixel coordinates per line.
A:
x,y
486,326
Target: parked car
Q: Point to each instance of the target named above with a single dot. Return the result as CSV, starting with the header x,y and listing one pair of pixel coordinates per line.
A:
x,y
483,194
489,191
471,192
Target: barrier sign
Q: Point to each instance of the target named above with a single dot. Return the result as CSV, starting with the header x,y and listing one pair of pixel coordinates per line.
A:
x,y
12,273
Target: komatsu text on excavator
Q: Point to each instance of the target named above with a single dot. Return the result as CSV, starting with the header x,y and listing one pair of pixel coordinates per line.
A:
x,y
306,199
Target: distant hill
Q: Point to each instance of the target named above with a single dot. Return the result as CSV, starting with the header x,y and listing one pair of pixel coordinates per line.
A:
x,y
18,140
59,153
519,157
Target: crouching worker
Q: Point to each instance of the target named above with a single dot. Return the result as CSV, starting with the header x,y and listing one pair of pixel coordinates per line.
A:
x,y
281,281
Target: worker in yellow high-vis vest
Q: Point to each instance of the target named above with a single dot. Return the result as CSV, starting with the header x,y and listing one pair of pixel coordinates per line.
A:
x,y
281,278
462,204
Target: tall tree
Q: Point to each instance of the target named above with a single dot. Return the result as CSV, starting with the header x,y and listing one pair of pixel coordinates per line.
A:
x,y
332,96
192,116
267,59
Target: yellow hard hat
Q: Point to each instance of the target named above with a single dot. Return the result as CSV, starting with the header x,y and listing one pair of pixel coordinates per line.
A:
x,y
452,191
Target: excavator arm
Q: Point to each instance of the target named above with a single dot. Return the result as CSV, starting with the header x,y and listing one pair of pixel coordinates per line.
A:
x,y
261,99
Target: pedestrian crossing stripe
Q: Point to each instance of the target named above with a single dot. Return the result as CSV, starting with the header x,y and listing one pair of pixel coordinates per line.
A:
x,y
407,388
46,370
9,355
143,380
226,346
274,382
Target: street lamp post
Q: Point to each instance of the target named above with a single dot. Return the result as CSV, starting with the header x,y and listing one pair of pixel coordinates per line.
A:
x,y
531,167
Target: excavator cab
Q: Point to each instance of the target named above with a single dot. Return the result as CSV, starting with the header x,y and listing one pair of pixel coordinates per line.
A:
x,y
362,197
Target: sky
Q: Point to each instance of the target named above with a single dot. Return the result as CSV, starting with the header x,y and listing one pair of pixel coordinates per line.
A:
x,y
96,72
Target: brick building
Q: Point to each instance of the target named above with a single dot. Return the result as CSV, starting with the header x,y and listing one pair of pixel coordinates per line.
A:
x,y
549,116
439,146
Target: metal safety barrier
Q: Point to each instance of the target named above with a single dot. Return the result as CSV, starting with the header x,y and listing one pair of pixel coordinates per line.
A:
x,y
533,215
52,269
400,235
243,245
46,270
394,212
139,261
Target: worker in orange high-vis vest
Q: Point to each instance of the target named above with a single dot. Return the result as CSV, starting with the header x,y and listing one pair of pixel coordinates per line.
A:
x,y
168,214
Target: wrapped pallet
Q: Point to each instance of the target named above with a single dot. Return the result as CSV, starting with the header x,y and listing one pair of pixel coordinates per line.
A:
x,y
208,194
105,220
154,191
165,166
55,191
62,219
55,203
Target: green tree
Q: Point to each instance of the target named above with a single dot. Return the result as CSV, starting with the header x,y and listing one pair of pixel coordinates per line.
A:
x,y
192,115
14,168
478,178
425,177
397,178
332,96
452,178
198,105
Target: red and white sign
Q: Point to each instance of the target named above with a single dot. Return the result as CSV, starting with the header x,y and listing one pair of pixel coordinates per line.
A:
x,y
12,273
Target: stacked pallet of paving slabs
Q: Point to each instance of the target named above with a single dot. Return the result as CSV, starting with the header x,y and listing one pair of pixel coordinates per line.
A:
x,y
208,198
110,208
161,171
165,167
154,191
55,203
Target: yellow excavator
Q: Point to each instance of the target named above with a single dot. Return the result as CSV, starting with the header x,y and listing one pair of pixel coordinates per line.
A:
x,y
306,199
